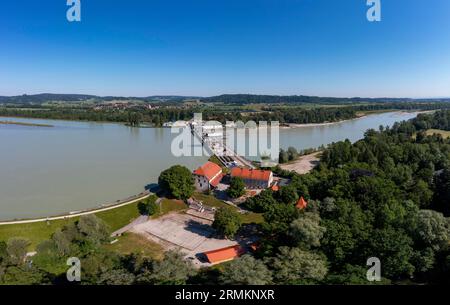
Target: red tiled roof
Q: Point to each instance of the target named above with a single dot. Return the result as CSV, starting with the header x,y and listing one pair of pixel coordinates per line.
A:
x,y
224,254
208,170
275,188
302,203
215,182
252,174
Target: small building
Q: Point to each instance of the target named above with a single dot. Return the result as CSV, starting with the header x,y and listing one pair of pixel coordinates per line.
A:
x,y
253,178
207,176
224,255
301,203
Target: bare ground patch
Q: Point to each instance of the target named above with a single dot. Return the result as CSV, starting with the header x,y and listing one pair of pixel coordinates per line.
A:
x,y
304,164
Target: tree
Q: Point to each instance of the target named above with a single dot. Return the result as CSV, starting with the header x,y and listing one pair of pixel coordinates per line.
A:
x,y
394,249
48,258
93,228
227,221
288,194
352,275
278,218
177,181
134,118
307,231
442,192
3,252
148,207
295,266
22,275
292,153
237,187
262,202
245,270
116,277
283,156
433,229
17,250
172,270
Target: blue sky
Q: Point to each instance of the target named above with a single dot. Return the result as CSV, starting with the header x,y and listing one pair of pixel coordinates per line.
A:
x,y
209,47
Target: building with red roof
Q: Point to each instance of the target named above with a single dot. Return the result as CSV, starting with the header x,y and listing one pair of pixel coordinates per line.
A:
x,y
207,176
301,203
253,178
224,255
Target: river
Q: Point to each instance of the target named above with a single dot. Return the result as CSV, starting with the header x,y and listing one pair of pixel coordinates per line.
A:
x,y
74,166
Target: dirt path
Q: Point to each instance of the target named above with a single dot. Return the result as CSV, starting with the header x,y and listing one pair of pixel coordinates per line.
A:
x,y
304,164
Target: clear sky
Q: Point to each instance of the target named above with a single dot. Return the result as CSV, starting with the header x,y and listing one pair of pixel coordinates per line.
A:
x,y
210,47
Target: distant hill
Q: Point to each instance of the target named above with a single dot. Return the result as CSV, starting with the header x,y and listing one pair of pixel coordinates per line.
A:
x,y
277,99
51,97
225,99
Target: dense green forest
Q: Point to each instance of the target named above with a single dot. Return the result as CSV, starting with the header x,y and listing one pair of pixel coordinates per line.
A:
x,y
385,196
157,117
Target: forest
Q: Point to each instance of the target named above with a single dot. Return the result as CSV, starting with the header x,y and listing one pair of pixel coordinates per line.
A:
x,y
293,114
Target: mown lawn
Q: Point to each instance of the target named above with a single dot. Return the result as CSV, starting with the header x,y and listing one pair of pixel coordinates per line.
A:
x,y
209,200
170,205
212,201
134,243
252,218
39,231
34,232
120,217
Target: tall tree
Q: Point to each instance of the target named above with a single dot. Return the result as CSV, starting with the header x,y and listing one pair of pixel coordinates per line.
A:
x,y
246,270
177,181
227,221
237,187
295,266
307,231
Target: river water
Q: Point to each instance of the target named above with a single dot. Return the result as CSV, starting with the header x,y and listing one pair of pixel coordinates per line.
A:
x,y
79,165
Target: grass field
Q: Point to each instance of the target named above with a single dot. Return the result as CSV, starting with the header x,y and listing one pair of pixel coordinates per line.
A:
x,y
39,231
209,200
445,134
252,218
135,243
212,201
170,205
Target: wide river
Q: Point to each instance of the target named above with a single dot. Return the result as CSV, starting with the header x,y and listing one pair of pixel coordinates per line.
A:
x,y
78,165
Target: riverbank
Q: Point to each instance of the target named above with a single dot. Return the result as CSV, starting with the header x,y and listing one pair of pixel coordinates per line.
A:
x,y
303,164
36,232
25,124
358,117
120,203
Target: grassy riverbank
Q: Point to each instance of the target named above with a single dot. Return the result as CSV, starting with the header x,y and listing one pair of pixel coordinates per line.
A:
x,y
39,231
25,124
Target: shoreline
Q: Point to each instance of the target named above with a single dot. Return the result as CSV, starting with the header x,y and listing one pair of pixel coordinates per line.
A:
x,y
68,215
289,125
25,124
295,125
